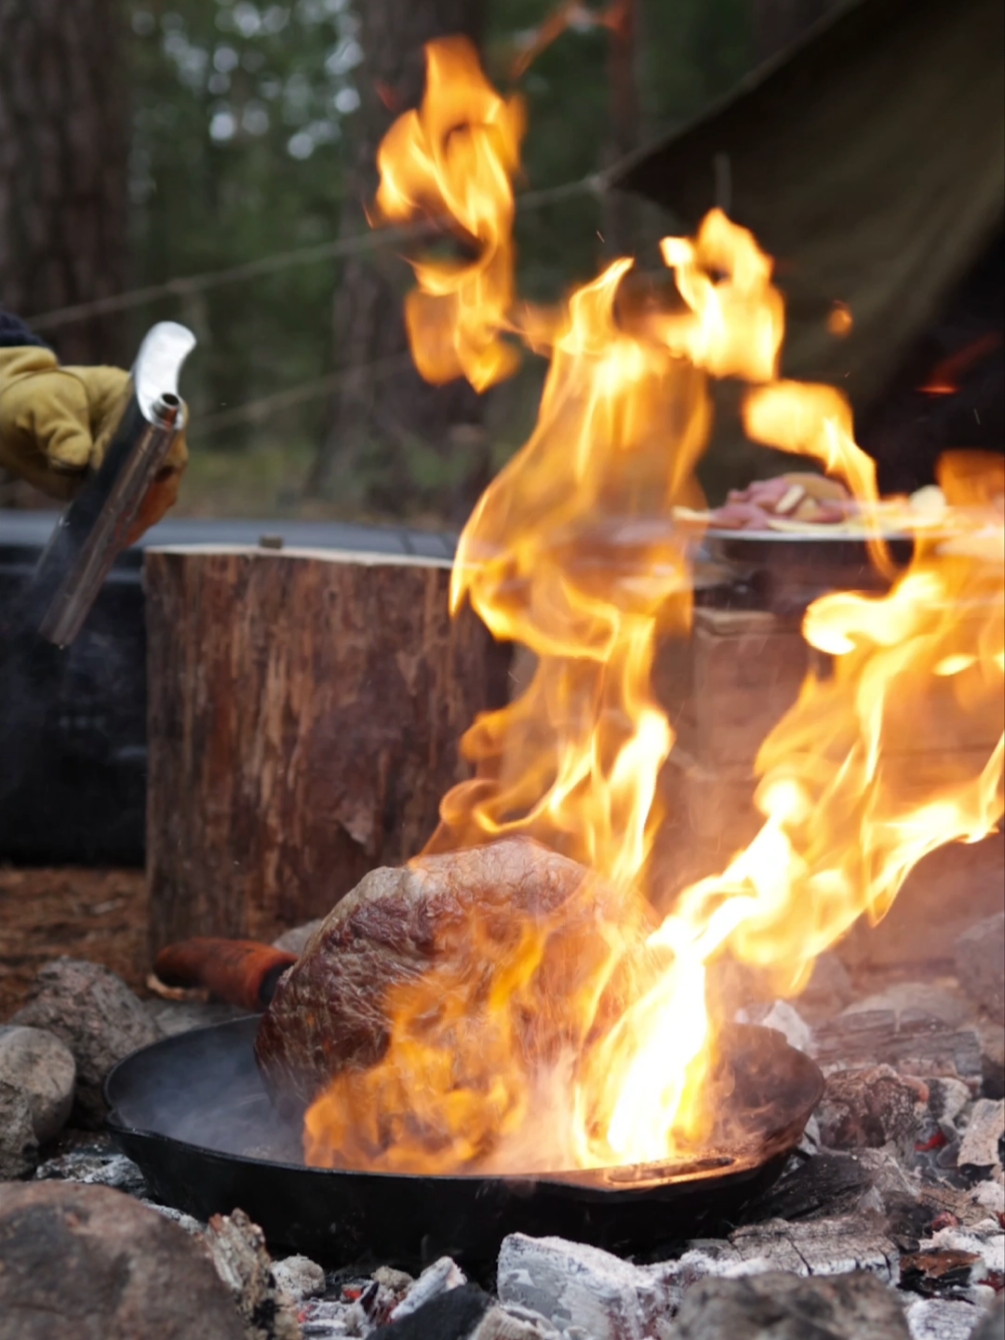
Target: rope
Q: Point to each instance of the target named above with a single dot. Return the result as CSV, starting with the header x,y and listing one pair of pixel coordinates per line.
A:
x,y
253,411
284,260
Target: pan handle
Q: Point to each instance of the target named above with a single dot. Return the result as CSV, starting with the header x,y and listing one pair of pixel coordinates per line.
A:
x,y
241,972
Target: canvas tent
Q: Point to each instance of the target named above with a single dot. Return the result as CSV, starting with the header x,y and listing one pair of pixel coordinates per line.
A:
x,y
869,160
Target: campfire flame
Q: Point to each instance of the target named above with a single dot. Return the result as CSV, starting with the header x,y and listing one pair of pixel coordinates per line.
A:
x,y
573,552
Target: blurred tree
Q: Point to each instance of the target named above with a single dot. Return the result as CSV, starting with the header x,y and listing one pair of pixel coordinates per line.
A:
x,y
779,22
237,154
63,157
382,430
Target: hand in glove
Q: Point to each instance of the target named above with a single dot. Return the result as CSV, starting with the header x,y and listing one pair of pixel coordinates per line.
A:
x,y
56,424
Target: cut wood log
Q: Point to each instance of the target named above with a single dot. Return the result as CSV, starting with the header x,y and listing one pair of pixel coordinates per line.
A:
x,y
305,710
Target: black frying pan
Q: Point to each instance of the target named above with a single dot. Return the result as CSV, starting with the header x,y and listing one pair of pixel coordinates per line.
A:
x,y
191,1111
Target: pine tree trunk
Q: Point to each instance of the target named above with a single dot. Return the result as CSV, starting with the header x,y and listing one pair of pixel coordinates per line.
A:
x,y
63,165
376,423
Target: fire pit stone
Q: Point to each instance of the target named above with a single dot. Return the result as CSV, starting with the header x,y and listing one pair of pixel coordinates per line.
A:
x,y
90,1262
98,1018
42,1067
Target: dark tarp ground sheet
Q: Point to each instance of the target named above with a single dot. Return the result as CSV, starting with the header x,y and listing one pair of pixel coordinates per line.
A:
x,y
869,161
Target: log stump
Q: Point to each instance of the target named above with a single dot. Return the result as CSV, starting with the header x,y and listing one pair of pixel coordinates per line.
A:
x,y
305,709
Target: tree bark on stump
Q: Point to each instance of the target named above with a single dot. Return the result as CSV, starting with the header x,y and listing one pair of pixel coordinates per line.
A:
x,y
305,709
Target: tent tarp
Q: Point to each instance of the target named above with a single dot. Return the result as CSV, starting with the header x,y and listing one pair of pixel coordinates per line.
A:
x,y
869,160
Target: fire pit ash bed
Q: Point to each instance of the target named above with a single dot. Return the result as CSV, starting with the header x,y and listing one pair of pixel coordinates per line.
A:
x,y
193,1113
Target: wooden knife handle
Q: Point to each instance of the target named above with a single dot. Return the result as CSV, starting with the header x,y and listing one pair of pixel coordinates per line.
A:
x,y
241,972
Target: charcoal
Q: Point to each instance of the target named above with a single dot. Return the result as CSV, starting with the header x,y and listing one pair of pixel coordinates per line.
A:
x,y
775,1306
191,1226
942,1274
453,1315
443,1276
236,1247
813,1247
940,1319
89,1262
916,1003
980,962
515,1323
98,1018
866,1109
570,1284
43,1068
832,1184
909,1042
983,1144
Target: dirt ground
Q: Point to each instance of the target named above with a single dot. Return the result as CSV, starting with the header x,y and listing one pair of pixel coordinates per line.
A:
x,y
94,914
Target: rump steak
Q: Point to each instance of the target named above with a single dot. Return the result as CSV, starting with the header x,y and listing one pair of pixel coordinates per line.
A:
x,y
329,1010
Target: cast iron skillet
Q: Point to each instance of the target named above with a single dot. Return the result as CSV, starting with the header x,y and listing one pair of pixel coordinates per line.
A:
x,y
192,1112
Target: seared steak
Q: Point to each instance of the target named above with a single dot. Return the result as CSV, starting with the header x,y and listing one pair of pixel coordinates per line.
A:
x,y
330,1011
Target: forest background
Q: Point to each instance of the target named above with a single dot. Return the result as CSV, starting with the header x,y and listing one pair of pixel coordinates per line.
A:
x,y
157,140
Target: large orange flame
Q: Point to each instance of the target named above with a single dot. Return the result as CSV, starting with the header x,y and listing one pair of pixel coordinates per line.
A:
x,y
495,1060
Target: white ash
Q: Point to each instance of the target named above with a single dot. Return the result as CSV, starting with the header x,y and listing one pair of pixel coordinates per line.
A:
x,y
299,1277
941,1319
398,1282
95,1167
441,1276
191,1226
571,1284
786,1019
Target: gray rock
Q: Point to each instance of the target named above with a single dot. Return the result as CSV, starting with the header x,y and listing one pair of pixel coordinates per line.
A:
x,y
96,1015
980,963
570,1284
992,1324
775,1306
294,940
89,1262
992,1038
299,1277
18,1142
43,1068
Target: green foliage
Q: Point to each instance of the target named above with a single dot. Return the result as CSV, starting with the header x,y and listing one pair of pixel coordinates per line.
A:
x,y
238,127
242,122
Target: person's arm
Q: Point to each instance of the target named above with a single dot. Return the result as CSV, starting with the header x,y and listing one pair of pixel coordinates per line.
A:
x,y
56,422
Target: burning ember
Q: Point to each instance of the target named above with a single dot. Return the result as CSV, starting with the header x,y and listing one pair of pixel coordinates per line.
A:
x,y
578,551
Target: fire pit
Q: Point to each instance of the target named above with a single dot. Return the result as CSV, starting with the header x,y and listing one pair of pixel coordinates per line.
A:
x,y
193,1113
